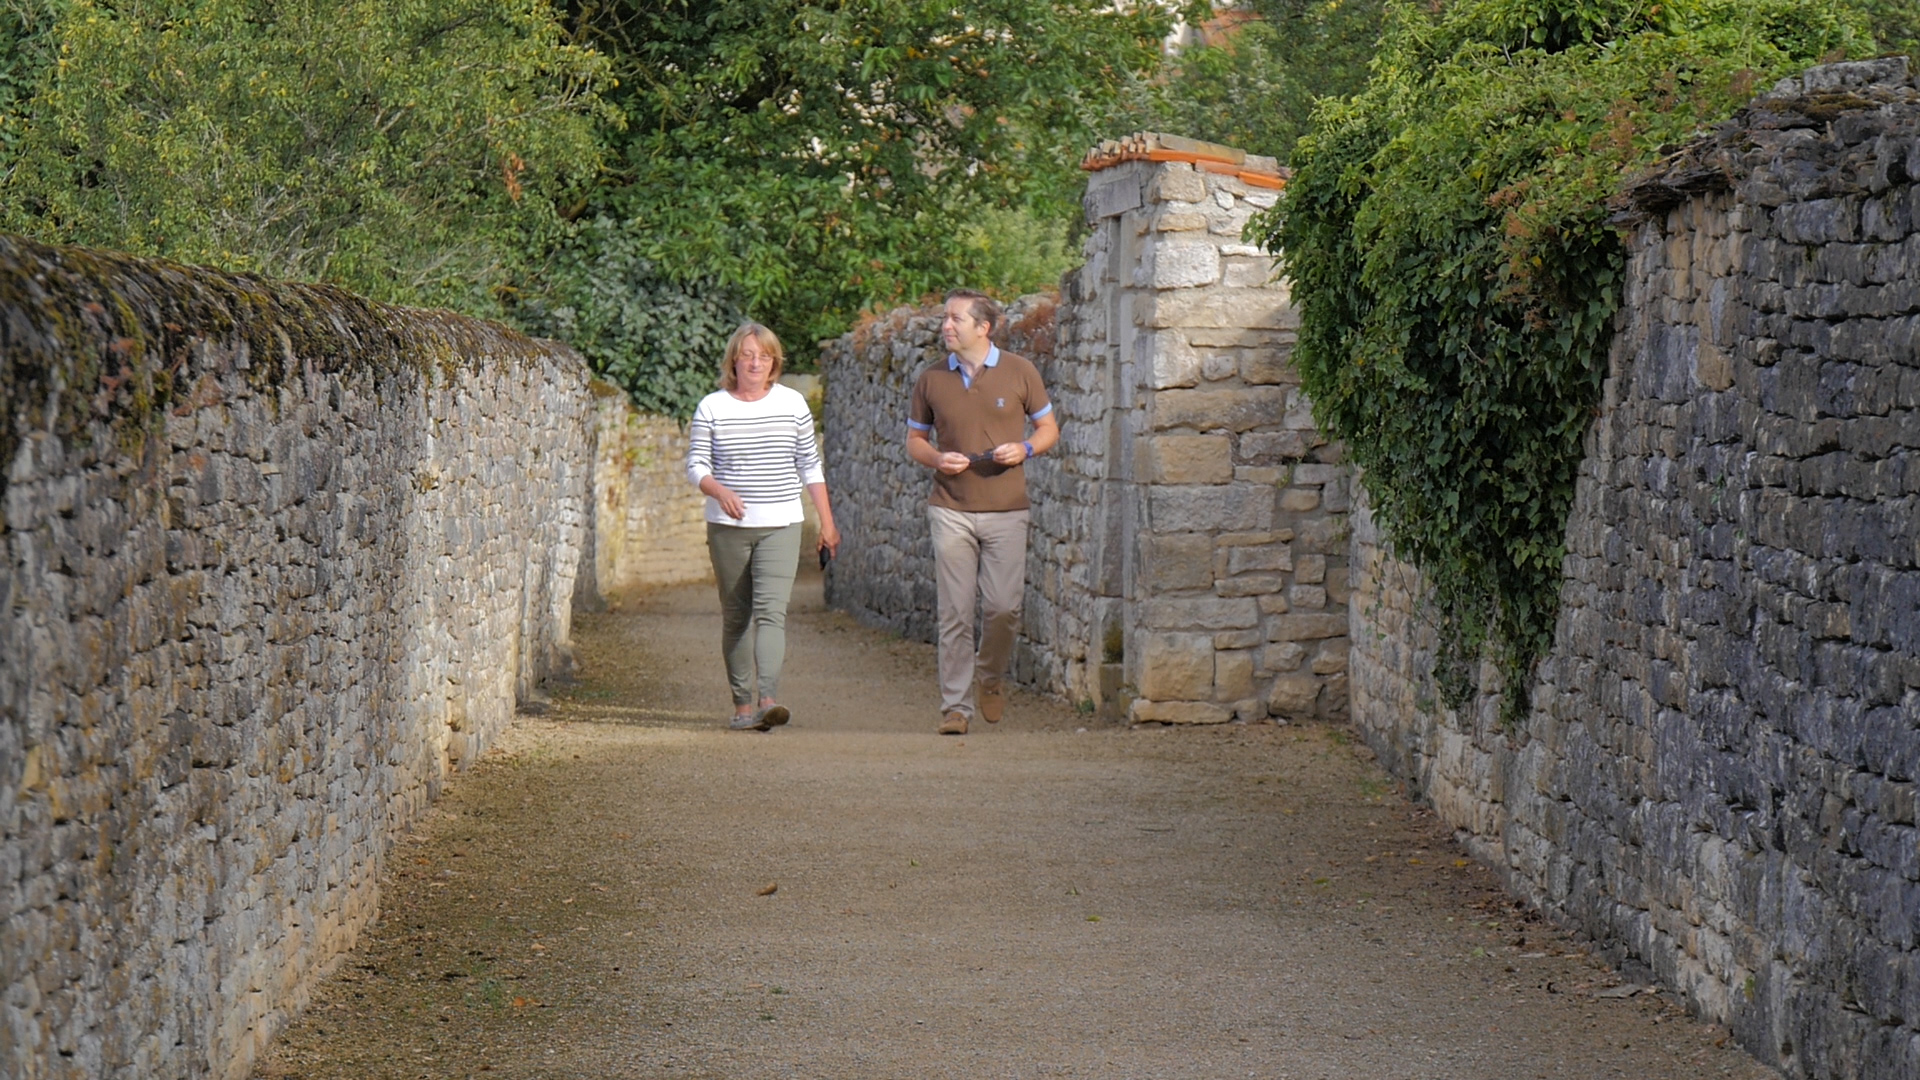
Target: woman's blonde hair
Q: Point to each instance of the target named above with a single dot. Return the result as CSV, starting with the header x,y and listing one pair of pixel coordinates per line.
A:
x,y
767,340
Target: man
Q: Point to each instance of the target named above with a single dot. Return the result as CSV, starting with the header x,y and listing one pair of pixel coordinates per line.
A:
x,y
977,404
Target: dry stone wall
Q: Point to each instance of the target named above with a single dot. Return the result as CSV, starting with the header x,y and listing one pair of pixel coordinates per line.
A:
x,y
649,528
1187,553
277,561
1717,777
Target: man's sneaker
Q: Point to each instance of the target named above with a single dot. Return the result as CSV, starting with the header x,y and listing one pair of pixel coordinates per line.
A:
x,y
747,722
993,700
772,716
955,723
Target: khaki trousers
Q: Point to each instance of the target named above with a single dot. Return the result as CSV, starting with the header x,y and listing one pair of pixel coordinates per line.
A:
x,y
984,553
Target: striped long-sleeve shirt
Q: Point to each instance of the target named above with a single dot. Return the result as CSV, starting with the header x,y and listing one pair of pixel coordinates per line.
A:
x,y
764,451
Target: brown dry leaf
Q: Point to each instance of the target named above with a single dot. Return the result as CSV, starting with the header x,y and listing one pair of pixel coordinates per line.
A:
x,y
769,890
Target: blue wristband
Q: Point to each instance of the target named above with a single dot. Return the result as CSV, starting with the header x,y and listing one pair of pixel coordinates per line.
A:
x,y
1029,447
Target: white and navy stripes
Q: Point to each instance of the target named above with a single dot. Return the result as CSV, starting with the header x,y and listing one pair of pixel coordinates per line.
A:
x,y
763,451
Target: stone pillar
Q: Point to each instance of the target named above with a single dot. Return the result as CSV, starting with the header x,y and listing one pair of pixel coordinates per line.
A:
x,y
1231,577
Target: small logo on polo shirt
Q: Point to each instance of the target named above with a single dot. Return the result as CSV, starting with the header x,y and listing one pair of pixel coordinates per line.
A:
x,y
999,403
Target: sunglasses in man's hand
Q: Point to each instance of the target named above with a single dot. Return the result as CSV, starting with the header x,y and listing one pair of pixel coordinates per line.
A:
x,y
980,459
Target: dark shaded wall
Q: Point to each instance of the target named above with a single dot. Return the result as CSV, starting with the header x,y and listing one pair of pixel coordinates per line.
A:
x,y
1717,778
277,560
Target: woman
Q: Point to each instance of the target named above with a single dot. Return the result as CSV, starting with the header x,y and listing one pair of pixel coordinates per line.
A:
x,y
751,452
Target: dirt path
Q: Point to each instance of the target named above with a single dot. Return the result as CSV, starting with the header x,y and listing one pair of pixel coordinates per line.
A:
x,y
1045,898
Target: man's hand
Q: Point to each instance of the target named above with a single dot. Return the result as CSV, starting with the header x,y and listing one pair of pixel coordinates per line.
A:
x,y
953,464
1010,453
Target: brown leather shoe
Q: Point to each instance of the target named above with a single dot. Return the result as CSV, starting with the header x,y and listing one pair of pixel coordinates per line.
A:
x,y
993,700
955,723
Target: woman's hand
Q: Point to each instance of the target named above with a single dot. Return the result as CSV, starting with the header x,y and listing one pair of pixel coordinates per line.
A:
x,y
830,537
730,504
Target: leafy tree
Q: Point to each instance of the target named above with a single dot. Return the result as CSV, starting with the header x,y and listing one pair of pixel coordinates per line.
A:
x,y
660,339
1447,238
816,158
1895,24
1253,83
408,149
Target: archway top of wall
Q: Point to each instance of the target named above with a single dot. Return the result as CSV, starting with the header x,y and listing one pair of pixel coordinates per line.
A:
x,y
1252,169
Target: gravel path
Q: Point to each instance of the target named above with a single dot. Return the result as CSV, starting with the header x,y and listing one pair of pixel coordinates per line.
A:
x,y
625,889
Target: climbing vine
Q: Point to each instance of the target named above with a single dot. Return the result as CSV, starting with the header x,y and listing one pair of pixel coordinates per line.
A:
x,y
1447,236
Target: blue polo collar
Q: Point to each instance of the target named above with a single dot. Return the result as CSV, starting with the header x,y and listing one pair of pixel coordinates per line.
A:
x,y
954,364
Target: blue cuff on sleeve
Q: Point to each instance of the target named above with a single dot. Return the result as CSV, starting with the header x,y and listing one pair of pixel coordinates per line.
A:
x,y
1044,411
918,426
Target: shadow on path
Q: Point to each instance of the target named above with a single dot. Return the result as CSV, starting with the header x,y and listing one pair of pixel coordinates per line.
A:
x,y
1045,898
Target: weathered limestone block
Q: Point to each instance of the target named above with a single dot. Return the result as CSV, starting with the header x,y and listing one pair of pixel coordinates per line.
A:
x,y
1179,561
1175,363
1185,264
1144,711
1223,309
1294,697
1191,459
1218,410
1177,667
1207,613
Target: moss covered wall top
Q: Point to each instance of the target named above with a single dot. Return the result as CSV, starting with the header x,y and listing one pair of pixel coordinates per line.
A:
x,y
92,337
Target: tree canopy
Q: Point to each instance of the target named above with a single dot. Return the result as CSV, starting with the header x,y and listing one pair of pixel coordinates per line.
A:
x,y
413,150
812,159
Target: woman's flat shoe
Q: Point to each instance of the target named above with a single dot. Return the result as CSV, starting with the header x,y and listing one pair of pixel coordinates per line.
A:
x,y
772,716
747,722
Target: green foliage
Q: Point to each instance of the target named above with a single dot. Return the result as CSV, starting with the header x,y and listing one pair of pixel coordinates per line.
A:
x,y
1896,24
1254,86
817,159
26,49
1011,251
1457,279
661,340
411,150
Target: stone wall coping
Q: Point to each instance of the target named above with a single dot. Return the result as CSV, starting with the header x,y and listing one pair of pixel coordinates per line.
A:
x,y
1251,169
1810,101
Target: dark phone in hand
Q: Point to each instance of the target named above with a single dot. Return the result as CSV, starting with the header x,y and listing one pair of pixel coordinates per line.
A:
x,y
826,556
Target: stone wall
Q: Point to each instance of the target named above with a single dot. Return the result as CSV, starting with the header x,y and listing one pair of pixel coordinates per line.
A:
x,y
649,527
1717,777
277,561
1187,559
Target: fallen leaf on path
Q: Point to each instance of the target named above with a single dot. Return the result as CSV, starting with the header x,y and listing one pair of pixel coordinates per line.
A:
x,y
769,890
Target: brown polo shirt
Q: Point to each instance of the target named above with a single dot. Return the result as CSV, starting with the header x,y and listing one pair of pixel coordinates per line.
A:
x,y
975,419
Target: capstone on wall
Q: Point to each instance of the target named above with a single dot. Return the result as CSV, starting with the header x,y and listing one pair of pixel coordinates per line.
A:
x,y
1716,780
277,560
1187,553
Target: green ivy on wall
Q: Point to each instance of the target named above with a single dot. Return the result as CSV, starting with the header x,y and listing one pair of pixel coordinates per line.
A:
x,y
1446,233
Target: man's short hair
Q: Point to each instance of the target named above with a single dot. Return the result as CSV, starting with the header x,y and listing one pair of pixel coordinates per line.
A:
x,y
985,308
